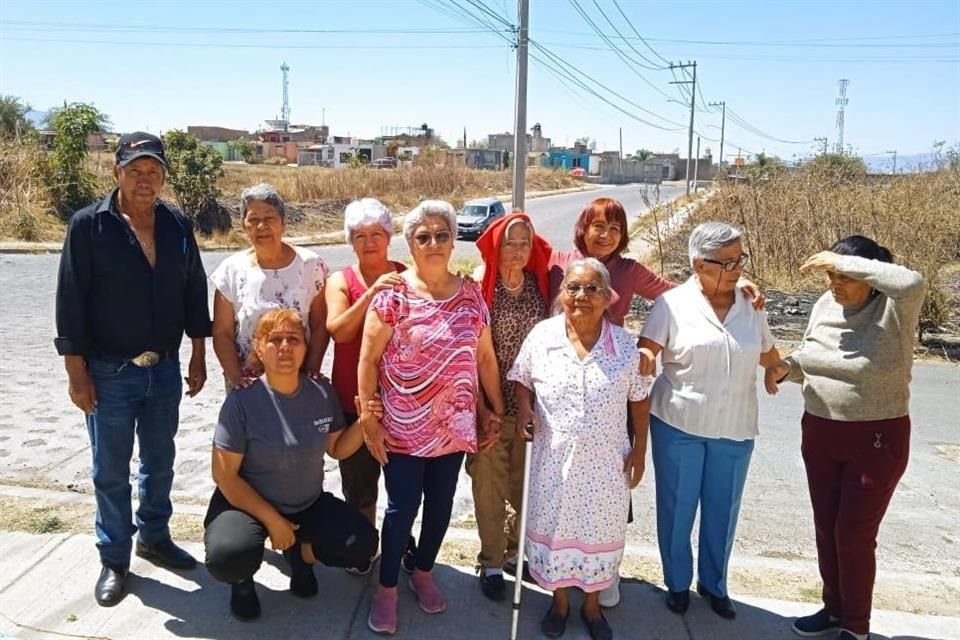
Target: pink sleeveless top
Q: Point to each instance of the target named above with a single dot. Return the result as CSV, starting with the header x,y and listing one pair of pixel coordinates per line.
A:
x,y
346,355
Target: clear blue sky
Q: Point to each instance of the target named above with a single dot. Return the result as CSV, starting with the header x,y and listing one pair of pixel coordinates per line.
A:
x,y
172,63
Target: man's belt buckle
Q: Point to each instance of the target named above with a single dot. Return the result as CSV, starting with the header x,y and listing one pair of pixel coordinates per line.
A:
x,y
146,359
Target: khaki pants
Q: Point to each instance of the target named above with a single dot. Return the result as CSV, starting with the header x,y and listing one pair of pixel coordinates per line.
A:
x,y
497,476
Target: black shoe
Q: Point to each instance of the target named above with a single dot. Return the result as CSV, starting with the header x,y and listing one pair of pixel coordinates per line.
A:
x,y
510,569
409,561
678,601
244,603
111,585
492,586
599,628
303,582
820,623
722,606
553,624
166,554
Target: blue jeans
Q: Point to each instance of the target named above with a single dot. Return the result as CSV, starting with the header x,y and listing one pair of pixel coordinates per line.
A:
x,y
408,478
692,471
145,401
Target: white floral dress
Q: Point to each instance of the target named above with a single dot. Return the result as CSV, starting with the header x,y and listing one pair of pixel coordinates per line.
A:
x,y
253,291
579,494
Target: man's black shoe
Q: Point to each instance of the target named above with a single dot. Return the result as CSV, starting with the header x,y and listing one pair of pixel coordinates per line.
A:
x,y
722,606
493,586
166,554
244,603
111,585
303,582
678,601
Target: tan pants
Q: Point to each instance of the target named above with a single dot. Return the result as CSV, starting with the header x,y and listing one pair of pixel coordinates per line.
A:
x,y
497,476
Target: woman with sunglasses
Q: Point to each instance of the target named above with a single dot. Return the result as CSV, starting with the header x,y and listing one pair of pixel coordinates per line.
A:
x,y
577,375
704,412
427,349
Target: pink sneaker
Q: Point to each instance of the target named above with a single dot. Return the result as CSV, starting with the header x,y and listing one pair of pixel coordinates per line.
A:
x,y
428,596
383,611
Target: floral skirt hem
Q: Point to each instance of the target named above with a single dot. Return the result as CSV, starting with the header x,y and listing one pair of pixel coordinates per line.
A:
x,y
567,563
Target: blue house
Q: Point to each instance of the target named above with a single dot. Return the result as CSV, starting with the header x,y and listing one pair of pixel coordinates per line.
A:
x,y
567,159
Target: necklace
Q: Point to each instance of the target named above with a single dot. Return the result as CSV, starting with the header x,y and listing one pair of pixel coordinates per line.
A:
x,y
503,281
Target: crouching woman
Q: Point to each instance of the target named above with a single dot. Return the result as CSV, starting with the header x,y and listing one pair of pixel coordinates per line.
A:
x,y
268,450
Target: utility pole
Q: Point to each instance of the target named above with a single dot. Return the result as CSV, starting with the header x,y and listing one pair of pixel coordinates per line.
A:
x,y
520,112
696,168
693,105
822,141
723,125
841,102
620,157
894,152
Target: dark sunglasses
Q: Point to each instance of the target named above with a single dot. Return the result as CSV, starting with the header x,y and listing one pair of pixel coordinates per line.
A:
x,y
440,237
730,265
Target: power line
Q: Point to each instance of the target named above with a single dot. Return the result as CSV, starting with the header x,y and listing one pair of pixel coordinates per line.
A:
x,y
656,66
280,46
637,33
743,124
482,7
28,25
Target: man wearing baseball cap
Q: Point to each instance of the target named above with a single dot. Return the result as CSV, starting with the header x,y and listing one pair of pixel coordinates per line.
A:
x,y
131,283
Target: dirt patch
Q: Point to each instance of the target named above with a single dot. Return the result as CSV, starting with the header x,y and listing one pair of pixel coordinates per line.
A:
x,y
948,451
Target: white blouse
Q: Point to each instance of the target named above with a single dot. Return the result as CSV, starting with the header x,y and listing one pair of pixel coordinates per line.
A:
x,y
708,386
253,291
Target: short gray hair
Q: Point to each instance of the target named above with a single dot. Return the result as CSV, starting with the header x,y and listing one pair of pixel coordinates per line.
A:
x,y
363,212
709,237
585,263
262,192
427,209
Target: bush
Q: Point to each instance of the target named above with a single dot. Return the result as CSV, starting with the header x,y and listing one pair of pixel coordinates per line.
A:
x,y
71,184
193,171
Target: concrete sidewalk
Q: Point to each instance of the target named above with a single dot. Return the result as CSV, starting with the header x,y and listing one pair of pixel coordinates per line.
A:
x,y
46,584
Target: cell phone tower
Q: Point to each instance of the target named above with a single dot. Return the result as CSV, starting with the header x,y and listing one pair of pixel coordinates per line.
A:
x,y
285,109
841,106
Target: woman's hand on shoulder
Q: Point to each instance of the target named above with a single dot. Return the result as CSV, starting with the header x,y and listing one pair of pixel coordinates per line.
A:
x,y
753,293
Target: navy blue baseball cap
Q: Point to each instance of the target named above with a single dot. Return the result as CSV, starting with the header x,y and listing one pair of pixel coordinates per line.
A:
x,y
139,144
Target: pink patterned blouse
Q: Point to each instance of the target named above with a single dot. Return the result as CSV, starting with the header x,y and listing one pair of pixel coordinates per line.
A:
x,y
428,372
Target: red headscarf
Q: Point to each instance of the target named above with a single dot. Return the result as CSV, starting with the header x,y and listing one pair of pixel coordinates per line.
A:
x,y
489,246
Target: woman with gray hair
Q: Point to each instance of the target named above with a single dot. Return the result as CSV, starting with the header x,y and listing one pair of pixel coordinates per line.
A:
x,y
367,227
704,412
577,376
427,349
271,274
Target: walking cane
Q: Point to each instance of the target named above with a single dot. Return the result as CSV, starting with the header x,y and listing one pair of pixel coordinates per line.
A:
x,y
521,537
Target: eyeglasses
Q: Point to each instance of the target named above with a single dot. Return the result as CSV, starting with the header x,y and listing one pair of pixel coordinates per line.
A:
x,y
573,288
730,265
440,237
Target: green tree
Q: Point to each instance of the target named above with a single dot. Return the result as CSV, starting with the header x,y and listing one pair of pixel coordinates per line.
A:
x,y
13,118
246,149
193,171
643,155
71,185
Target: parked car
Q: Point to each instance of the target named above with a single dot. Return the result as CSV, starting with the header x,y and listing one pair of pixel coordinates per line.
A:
x,y
477,215
384,163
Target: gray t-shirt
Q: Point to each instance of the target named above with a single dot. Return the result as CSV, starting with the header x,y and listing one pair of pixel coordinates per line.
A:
x,y
282,439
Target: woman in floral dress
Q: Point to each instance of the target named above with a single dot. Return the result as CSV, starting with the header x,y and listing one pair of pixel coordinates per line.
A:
x,y
577,376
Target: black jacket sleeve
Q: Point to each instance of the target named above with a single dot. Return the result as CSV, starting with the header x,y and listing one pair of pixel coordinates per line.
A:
x,y
195,303
73,288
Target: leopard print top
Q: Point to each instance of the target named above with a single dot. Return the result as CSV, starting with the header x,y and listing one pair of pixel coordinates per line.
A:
x,y
512,318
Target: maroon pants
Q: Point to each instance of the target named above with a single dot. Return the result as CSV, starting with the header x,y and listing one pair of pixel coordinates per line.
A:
x,y
852,470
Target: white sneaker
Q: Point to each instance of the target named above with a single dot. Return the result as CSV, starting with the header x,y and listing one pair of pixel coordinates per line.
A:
x,y
362,571
610,597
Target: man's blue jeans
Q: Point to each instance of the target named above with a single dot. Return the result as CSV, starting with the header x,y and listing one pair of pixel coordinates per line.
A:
x,y
145,401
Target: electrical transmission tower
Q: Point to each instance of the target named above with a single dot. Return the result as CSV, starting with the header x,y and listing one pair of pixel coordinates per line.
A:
x,y
841,106
285,109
